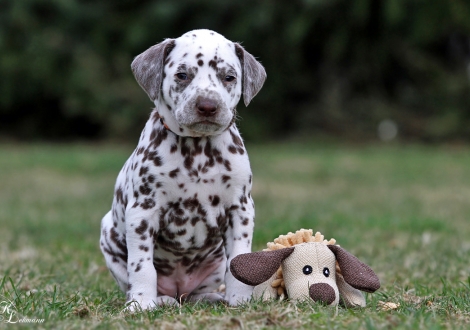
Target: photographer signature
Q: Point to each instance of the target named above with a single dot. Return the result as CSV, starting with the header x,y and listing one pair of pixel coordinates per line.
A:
x,y
8,314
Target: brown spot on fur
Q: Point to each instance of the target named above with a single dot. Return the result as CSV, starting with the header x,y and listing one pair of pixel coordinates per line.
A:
x,y
148,204
142,227
215,200
213,65
144,248
143,170
159,138
120,198
227,165
173,174
236,139
114,236
145,189
195,220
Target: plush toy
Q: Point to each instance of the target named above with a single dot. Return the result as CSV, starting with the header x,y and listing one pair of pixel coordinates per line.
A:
x,y
300,265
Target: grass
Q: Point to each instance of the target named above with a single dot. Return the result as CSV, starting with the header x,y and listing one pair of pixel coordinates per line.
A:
x,y
404,210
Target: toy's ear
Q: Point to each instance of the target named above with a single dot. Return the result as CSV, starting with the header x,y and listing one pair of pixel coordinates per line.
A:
x,y
254,74
148,67
257,267
355,273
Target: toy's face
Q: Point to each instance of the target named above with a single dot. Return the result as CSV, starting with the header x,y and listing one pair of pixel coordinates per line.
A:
x,y
310,272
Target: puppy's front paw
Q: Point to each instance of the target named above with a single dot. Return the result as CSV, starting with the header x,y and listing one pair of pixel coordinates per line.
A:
x,y
236,292
211,297
136,306
167,300
237,299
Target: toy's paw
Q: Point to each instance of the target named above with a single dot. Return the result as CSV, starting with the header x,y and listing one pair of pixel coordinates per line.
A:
x,y
265,290
136,306
266,293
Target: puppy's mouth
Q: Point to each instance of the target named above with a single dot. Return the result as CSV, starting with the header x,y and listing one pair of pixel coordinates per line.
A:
x,y
207,122
205,127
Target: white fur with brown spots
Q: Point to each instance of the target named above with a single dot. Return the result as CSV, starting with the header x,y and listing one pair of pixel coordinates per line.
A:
x,y
182,207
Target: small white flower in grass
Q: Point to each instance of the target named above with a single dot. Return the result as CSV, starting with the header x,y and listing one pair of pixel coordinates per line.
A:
x,y
387,306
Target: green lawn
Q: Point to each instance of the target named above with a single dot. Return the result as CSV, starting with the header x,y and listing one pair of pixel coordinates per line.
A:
x,y
404,210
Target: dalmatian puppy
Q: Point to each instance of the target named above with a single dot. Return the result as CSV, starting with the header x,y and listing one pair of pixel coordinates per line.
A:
x,y
182,208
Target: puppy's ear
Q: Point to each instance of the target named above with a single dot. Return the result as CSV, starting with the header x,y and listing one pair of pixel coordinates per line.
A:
x,y
257,267
355,272
148,67
254,74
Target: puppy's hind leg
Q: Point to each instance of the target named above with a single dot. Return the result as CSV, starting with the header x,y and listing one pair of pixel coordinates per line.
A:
x,y
115,251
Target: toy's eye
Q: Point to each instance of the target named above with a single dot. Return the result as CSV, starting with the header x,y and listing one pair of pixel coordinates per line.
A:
x,y
326,272
182,76
307,270
229,78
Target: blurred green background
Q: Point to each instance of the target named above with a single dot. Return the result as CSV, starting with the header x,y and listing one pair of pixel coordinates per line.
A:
x,y
336,68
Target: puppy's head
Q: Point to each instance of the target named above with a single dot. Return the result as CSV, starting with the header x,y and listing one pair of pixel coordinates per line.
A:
x,y
197,80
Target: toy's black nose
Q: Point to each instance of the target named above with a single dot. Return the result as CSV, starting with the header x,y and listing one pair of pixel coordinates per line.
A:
x,y
322,292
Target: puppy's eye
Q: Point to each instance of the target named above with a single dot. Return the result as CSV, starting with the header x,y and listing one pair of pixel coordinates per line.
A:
x,y
326,272
307,270
182,76
229,78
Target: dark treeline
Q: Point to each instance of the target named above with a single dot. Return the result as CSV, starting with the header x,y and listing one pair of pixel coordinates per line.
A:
x,y
335,67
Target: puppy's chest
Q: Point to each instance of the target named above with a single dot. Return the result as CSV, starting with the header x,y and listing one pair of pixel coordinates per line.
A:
x,y
195,189
202,178
192,215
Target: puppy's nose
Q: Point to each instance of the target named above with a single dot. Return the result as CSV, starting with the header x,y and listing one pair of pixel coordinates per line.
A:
x,y
206,107
322,292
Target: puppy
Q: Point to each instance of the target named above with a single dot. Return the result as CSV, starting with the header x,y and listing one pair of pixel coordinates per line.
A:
x,y
182,207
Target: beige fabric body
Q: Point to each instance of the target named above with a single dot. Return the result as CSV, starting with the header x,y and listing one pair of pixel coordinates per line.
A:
x,y
265,290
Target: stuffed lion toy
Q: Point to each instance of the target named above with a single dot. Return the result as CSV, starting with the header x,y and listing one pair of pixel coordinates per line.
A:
x,y
301,265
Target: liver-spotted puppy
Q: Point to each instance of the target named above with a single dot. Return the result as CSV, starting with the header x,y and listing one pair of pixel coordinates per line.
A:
x,y
182,208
